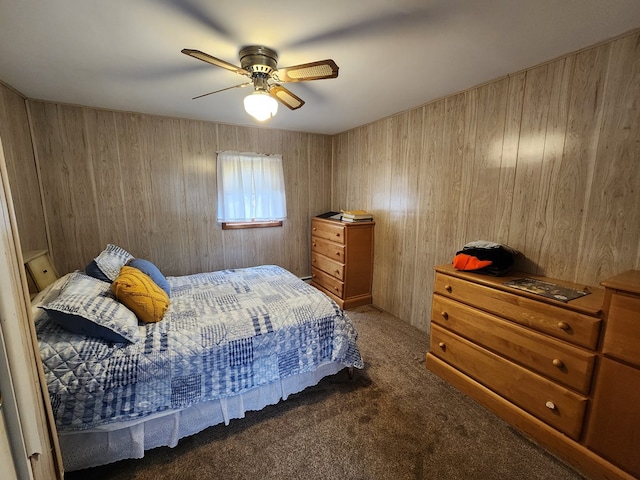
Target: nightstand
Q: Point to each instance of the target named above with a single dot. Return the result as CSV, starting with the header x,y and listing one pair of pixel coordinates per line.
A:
x,y
40,271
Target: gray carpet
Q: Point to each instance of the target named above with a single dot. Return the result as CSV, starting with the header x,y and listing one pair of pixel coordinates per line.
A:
x,y
393,420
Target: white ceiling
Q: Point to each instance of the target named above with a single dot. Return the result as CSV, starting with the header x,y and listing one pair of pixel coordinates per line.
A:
x,y
393,54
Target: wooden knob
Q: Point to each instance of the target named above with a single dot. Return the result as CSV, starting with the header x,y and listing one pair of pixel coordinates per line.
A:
x,y
558,363
442,345
313,244
448,288
338,234
314,229
337,272
313,276
563,326
550,405
445,315
313,260
336,288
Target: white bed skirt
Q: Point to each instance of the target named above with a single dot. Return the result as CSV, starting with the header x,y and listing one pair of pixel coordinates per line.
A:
x,y
118,441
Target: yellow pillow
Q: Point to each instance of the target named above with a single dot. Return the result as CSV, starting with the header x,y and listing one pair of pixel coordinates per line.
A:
x,y
140,294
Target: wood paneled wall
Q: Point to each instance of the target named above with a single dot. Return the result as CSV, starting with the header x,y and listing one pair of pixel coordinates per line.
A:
x,y
148,184
21,167
546,160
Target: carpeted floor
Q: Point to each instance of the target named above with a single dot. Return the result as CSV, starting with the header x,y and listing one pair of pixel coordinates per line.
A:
x,y
393,420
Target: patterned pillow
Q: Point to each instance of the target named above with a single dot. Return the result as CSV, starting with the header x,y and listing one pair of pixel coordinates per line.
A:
x,y
87,307
111,259
140,294
145,266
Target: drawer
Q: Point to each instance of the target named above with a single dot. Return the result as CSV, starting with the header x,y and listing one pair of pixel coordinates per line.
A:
x,y
559,361
553,404
333,251
559,322
335,269
333,231
622,337
41,271
327,281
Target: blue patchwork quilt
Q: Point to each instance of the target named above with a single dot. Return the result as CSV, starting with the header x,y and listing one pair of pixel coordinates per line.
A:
x,y
225,333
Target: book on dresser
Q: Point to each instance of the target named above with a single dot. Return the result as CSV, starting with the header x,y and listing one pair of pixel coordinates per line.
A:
x,y
347,219
356,215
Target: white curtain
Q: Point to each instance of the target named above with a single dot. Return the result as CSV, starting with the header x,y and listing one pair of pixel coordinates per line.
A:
x,y
250,187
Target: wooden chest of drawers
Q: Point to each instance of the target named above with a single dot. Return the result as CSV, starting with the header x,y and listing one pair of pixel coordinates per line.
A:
x,y
614,426
557,371
342,260
537,355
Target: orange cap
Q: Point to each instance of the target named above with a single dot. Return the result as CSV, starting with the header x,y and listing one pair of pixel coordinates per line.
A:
x,y
462,261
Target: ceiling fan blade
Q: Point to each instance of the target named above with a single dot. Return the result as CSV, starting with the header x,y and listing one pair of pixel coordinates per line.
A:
x,y
390,23
194,11
307,71
223,89
286,97
205,57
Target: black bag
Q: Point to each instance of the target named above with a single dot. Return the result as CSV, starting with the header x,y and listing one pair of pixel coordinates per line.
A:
x,y
485,257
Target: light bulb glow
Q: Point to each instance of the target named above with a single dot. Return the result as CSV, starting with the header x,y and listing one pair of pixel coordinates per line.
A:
x,y
260,105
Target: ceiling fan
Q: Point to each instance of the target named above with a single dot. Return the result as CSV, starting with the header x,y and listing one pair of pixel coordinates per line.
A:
x,y
260,65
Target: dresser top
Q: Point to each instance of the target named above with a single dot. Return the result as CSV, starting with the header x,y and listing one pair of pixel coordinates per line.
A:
x,y
589,304
340,222
31,254
628,281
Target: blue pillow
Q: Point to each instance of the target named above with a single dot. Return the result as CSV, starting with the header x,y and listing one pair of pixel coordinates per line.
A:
x,y
148,268
94,271
86,306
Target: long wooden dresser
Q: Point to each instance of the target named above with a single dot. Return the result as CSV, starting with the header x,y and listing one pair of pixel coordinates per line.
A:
x,y
541,364
342,260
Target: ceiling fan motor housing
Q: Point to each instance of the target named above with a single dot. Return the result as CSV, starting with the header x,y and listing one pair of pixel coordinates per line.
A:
x,y
257,59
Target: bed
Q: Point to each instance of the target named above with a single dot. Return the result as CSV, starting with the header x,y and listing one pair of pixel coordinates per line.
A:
x,y
227,342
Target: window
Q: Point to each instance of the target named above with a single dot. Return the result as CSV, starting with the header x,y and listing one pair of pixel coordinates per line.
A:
x,y
250,190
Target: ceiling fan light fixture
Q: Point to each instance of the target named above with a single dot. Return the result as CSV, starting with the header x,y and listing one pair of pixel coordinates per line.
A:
x,y
260,105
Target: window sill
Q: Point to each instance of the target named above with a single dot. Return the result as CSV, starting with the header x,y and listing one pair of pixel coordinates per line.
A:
x,y
241,225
